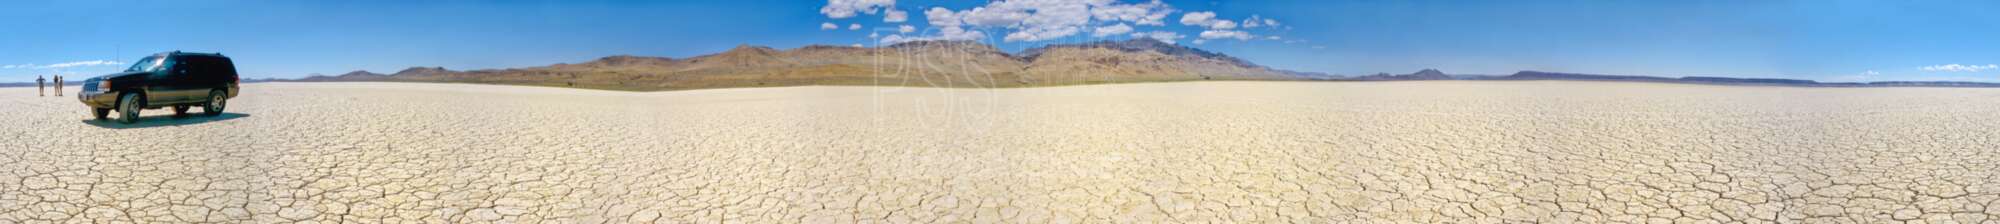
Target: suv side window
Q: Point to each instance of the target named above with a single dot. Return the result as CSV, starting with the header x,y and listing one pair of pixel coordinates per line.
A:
x,y
198,68
171,68
224,69
211,68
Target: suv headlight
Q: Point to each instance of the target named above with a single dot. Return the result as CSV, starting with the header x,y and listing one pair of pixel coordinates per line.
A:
x,y
104,85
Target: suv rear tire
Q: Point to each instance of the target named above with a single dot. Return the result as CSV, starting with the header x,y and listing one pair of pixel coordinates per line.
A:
x,y
217,100
128,108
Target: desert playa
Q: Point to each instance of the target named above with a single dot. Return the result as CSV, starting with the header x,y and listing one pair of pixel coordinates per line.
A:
x,y
1234,151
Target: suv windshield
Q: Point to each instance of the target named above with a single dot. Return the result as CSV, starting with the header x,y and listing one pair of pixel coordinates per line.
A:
x,y
150,63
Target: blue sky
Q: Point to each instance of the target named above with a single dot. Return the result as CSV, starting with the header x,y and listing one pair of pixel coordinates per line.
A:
x,y
1829,40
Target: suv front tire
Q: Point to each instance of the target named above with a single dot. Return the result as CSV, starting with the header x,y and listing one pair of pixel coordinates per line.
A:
x,y
129,107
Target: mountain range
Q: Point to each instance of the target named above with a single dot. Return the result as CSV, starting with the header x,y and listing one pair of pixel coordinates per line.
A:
x,y
917,63
965,64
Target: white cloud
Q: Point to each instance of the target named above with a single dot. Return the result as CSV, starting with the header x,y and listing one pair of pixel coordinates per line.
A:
x,y
1207,20
1274,38
1226,34
1253,22
895,16
1200,41
1103,31
1163,36
840,9
1042,33
1039,20
1259,21
1959,68
941,17
906,29
893,38
1146,14
993,17
1223,25
1198,18
828,26
62,65
856,26
946,33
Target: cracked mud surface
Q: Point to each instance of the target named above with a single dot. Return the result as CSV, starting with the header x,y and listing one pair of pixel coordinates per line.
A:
x,y
1166,152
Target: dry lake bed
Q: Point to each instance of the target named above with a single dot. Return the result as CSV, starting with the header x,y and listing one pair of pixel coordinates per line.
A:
x,y
1259,152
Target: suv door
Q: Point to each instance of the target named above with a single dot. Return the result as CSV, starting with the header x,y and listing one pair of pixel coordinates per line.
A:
x,y
175,85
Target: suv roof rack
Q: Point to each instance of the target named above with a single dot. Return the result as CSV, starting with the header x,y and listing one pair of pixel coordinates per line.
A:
x,y
179,52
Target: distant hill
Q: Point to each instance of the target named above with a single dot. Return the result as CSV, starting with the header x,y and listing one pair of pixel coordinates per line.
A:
x,y
965,64
354,76
1426,74
918,63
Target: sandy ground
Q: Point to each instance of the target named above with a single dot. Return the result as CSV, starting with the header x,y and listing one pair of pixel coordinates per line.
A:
x,y
1164,152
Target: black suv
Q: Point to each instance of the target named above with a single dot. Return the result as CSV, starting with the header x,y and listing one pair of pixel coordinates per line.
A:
x,y
171,79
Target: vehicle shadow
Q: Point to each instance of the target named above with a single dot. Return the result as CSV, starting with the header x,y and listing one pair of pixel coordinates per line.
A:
x,y
164,120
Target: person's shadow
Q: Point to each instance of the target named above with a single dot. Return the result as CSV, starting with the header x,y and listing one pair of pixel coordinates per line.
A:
x,y
164,120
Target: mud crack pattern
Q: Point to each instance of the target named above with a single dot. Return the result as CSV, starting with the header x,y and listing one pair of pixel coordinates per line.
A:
x,y
1479,152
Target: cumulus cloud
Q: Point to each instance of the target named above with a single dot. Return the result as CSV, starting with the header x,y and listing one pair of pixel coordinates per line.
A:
x,y
1042,33
1259,21
1197,18
941,17
98,63
1207,20
1200,19
1104,31
841,9
1162,36
946,33
856,26
62,65
828,26
1226,34
1039,20
1146,14
895,16
1959,68
906,29
1222,25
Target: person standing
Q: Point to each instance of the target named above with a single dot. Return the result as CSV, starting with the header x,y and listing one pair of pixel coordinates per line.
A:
x,y
38,86
59,85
